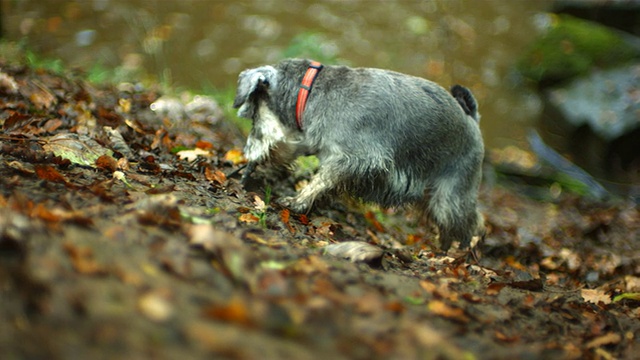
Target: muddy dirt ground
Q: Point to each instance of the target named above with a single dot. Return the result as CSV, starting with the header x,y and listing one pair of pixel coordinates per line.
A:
x,y
121,236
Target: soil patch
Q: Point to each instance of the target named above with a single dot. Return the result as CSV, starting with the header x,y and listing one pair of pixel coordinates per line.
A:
x,y
121,236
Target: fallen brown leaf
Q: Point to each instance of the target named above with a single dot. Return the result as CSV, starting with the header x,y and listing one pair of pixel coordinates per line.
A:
x,y
8,84
46,172
15,121
41,96
371,218
304,219
192,155
235,311
324,227
82,260
310,265
52,125
632,283
57,214
248,218
161,189
440,308
106,162
284,216
205,145
504,338
441,290
255,238
234,157
42,212
494,288
118,143
123,164
216,176
595,296
395,306
607,339
108,117
474,299
158,139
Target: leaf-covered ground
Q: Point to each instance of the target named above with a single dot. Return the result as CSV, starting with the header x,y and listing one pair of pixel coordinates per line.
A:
x,y
115,244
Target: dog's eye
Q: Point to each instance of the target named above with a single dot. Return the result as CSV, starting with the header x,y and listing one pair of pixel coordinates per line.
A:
x,y
265,82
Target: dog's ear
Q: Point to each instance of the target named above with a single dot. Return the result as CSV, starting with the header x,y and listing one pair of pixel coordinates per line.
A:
x,y
254,80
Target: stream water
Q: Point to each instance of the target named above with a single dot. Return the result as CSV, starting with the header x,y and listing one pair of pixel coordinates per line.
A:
x,y
202,44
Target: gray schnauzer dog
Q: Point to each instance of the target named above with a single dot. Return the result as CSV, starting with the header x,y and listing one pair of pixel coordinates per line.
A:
x,y
381,136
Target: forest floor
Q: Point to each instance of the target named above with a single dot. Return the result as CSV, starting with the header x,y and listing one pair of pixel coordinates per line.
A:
x,y
132,242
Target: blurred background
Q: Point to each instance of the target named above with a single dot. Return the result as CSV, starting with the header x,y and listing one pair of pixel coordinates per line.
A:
x,y
206,43
493,47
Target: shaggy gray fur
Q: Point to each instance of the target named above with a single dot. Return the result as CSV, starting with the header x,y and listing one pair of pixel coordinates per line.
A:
x,y
382,136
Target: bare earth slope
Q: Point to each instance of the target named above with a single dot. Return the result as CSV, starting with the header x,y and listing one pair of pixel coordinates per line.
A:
x,y
146,253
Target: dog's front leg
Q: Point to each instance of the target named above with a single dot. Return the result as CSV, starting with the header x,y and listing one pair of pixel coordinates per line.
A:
x,y
255,151
321,182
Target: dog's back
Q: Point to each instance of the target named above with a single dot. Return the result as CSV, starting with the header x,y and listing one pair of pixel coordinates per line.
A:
x,y
399,139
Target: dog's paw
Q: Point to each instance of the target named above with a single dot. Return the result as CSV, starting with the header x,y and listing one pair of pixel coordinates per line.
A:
x,y
294,204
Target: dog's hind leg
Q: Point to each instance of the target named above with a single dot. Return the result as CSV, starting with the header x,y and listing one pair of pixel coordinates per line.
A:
x,y
452,206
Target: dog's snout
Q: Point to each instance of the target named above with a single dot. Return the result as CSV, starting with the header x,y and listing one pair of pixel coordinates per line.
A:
x,y
237,102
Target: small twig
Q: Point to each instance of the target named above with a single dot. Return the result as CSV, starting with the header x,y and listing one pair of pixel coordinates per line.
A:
x,y
12,138
249,169
236,171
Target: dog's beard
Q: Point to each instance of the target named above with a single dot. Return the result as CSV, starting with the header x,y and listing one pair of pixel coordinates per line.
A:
x,y
267,134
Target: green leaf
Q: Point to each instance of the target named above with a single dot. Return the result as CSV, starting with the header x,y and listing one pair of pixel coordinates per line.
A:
x,y
629,296
414,300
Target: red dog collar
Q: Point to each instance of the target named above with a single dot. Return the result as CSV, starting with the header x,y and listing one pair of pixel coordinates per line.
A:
x,y
305,89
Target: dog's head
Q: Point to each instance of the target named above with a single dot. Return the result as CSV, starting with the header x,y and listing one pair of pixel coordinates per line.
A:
x,y
253,84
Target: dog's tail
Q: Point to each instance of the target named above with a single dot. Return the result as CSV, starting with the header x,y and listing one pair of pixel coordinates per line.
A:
x,y
466,100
